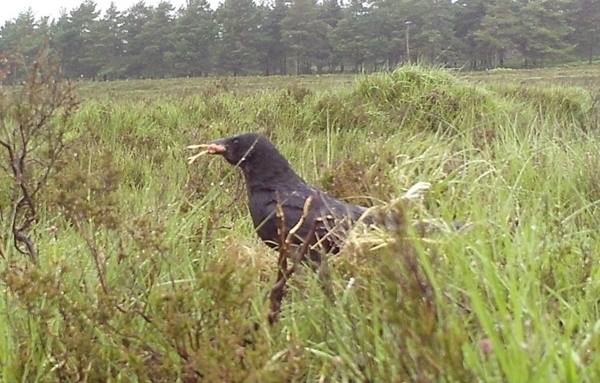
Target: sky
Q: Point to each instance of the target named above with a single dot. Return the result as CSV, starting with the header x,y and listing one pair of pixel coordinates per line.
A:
x,y
10,9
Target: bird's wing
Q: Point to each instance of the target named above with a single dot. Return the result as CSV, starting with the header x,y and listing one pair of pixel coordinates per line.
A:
x,y
324,221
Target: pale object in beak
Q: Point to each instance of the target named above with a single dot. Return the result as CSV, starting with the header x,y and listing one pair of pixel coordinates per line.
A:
x,y
209,149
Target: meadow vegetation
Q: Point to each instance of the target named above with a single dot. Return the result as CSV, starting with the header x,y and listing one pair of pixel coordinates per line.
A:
x,y
148,269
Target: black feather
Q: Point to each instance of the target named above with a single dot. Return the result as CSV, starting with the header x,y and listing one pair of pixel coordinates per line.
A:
x,y
271,182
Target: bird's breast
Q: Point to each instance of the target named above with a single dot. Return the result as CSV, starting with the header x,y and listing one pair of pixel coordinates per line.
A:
x,y
262,205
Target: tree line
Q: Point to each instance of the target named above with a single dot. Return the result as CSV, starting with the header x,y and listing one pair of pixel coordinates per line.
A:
x,y
243,37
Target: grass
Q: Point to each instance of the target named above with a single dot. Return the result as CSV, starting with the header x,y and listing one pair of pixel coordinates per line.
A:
x,y
154,272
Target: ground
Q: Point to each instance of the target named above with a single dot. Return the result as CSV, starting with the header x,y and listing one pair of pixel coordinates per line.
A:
x,y
149,267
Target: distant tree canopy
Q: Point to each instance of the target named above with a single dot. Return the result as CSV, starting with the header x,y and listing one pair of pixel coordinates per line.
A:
x,y
242,37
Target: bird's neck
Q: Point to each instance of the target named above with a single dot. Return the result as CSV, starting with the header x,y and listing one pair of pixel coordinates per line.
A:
x,y
276,174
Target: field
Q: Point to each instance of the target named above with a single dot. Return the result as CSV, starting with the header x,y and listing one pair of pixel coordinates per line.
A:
x,y
148,268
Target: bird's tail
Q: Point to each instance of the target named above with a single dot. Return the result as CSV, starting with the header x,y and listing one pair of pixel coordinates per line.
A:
x,y
392,217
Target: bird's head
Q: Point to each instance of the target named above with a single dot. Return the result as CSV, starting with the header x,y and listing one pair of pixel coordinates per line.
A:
x,y
258,158
241,148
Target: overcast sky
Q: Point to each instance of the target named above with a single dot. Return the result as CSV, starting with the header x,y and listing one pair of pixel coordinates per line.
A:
x,y
10,9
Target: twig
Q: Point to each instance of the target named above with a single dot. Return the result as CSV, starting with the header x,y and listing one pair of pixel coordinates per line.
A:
x,y
283,273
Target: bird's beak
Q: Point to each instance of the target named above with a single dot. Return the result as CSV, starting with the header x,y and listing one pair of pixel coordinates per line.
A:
x,y
216,148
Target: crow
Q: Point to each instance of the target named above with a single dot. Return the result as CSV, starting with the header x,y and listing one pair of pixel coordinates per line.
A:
x,y
278,198
287,212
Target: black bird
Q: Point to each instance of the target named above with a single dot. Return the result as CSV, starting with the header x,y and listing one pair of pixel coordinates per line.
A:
x,y
311,215
280,199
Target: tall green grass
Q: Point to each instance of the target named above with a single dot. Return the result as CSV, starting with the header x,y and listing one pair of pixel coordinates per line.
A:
x,y
155,273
